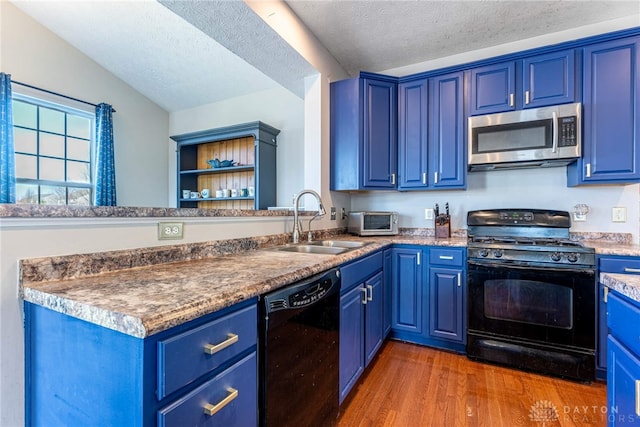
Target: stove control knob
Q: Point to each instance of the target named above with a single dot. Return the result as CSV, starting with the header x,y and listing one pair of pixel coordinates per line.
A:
x,y
497,253
572,257
556,256
484,253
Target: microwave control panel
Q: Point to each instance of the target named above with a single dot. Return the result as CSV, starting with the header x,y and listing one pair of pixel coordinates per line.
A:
x,y
567,131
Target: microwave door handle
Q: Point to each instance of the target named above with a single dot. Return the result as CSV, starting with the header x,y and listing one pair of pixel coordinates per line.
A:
x,y
555,132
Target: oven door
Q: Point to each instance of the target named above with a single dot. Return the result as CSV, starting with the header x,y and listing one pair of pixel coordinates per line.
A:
x,y
545,304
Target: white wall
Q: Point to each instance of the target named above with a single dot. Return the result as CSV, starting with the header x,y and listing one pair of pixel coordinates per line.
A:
x,y
34,55
526,188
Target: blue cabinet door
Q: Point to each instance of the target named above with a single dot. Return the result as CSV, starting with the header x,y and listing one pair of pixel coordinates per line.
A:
x,y
549,79
380,134
623,377
351,338
446,304
387,277
413,153
374,317
603,330
611,95
446,126
493,88
407,297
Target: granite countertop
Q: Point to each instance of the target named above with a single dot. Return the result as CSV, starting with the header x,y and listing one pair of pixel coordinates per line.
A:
x,y
142,300
626,284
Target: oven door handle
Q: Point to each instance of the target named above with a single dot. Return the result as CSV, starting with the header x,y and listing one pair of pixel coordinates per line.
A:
x,y
527,266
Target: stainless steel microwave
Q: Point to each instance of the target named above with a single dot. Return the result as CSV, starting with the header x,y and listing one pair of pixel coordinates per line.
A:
x,y
537,137
373,223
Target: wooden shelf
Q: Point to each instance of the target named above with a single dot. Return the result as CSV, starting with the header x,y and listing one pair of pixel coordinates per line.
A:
x,y
218,170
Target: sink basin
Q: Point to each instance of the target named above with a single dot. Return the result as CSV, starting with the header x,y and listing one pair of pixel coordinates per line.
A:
x,y
313,249
350,244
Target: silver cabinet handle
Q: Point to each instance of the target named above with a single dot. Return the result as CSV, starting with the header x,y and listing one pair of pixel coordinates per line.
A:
x,y
588,170
447,257
211,409
605,297
459,279
370,289
418,258
424,177
214,348
435,177
638,398
526,97
511,100
393,179
364,297
631,270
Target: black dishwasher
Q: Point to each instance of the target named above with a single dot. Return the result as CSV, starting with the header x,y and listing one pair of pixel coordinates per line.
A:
x,y
299,353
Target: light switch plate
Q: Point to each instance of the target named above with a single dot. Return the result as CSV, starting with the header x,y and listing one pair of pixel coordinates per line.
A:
x,y
619,214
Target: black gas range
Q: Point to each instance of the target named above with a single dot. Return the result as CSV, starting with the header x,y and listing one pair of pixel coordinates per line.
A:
x,y
532,293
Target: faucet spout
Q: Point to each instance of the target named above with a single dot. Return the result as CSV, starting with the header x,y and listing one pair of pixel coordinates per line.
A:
x,y
296,200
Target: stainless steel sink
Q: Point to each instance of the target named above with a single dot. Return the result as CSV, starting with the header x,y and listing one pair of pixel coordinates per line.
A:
x,y
350,244
312,249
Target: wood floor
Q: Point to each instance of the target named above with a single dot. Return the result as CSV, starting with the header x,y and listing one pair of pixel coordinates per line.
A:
x,y
411,385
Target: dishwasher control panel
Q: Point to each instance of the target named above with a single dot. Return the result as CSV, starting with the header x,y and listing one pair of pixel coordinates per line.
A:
x,y
310,294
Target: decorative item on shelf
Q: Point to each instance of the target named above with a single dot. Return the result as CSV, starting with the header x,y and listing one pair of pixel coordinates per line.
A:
x,y
217,163
442,222
186,194
195,195
205,193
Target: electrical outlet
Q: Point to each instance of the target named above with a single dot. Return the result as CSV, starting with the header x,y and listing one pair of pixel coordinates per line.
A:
x,y
619,214
170,230
428,213
333,213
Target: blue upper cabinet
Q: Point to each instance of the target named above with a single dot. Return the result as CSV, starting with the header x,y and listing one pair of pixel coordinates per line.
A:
x,y
431,141
446,138
364,134
547,79
493,88
611,134
413,153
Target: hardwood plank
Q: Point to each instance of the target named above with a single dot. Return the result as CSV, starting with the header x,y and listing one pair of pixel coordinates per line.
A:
x,y
411,385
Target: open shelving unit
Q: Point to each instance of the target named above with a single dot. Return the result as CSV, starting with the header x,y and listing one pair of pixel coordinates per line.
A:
x,y
252,147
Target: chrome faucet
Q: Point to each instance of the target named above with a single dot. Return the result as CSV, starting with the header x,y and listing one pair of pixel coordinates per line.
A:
x,y
296,224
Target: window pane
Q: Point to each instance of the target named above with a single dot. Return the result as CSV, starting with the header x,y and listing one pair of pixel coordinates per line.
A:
x,y
25,140
78,149
79,196
26,166
78,126
78,172
51,120
26,193
51,169
53,195
24,114
51,145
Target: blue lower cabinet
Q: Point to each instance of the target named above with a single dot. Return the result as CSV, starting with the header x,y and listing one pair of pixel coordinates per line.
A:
x,y
362,317
82,374
407,302
446,304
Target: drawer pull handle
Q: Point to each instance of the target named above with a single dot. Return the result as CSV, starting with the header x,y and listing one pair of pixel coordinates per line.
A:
x,y
370,295
631,270
364,296
214,348
638,398
211,410
448,257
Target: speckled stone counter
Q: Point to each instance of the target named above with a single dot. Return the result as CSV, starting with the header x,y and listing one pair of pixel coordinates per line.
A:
x,y
626,284
143,292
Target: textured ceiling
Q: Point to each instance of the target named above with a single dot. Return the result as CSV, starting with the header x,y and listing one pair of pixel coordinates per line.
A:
x,y
183,54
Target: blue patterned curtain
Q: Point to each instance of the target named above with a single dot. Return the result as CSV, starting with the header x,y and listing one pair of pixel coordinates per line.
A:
x,y
7,153
105,194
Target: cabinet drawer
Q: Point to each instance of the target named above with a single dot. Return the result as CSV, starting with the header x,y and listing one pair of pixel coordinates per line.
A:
x,y
448,256
623,320
218,394
622,265
360,270
185,357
